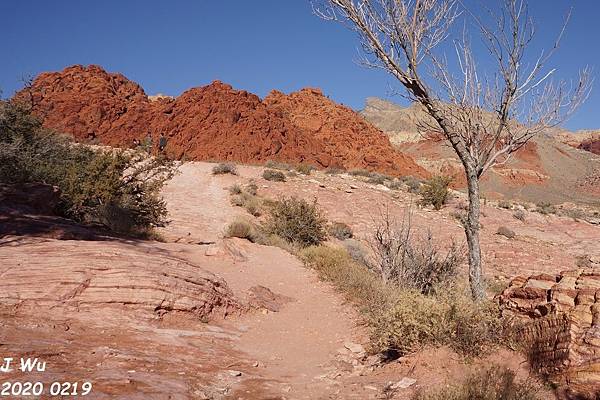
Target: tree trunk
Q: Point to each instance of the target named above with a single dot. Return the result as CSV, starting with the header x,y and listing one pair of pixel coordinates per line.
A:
x,y
472,232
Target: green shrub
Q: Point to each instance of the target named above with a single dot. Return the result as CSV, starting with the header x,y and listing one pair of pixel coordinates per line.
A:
x,y
340,230
435,191
224,168
492,383
297,221
272,175
304,169
120,189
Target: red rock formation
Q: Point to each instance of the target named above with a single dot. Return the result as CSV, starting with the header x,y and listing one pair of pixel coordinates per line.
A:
x,y
345,135
214,122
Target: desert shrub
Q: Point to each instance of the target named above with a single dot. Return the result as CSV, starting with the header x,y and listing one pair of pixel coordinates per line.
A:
x,y
251,188
224,168
413,184
360,172
117,188
583,261
297,221
235,189
506,232
435,191
292,174
278,165
492,383
520,215
356,251
394,184
545,208
507,205
355,281
243,229
405,320
334,170
272,175
451,318
340,230
376,179
409,260
304,169
252,204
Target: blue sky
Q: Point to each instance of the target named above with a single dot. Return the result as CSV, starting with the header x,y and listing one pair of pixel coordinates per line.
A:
x,y
170,46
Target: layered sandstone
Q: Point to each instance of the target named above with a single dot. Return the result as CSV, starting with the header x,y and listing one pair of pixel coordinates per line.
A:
x,y
561,327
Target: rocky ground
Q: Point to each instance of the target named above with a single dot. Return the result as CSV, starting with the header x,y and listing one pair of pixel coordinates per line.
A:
x,y
203,317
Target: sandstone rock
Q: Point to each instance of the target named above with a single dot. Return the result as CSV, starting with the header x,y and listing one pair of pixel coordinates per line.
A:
x,y
403,383
560,328
260,297
354,347
214,122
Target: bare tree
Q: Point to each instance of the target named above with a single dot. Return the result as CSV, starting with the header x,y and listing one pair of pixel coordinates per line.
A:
x,y
485,117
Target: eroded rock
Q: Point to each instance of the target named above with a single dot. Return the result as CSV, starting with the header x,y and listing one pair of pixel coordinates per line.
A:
x,y
560,316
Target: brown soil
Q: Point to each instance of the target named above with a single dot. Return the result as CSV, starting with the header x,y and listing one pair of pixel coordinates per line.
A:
x,y
214,122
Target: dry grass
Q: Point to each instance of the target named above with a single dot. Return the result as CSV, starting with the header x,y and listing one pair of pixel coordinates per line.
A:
x,y
506,232
405,320
493,383
305,169
243,229
224,168
340,231
273,176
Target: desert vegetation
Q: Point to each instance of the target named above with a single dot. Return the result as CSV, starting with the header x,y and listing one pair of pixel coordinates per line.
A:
x,y
118,189
273,175
484,115
224,168
435,191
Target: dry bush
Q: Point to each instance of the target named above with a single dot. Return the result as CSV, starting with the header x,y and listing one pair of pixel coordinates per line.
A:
x,y
409,260
506,232
405,320
253,204
356,251
394,184
297,221
340,230
360,172
435,191
492,383
235,189
377,179
304,169
520,215
251,188
545,208
334,170
278,165
274,176
224,168
413,184
507,205
243,229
